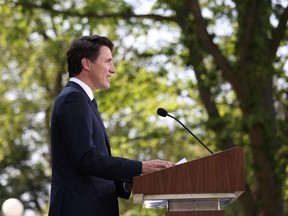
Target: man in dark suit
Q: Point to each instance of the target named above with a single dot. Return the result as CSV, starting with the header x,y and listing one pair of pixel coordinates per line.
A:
x,y
86,179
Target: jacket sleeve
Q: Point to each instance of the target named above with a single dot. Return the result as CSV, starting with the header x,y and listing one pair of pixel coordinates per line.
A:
x,y
121,191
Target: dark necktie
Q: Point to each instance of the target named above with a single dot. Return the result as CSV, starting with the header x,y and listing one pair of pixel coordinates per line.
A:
x,y
97,113
95,104
101,122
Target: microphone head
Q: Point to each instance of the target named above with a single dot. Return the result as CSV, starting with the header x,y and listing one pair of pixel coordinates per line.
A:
x,y
162,112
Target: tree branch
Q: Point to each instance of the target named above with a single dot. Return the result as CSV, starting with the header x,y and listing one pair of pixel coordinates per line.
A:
x,y
210,46
217,123
279,33
125,15
210,105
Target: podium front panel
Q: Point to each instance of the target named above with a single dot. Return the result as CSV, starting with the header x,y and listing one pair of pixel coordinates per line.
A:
x,y
219,173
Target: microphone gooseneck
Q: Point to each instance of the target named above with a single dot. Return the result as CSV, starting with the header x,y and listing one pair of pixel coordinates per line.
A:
x,y
162,112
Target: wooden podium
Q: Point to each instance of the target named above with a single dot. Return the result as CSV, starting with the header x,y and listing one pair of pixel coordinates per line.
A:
x,y
195,188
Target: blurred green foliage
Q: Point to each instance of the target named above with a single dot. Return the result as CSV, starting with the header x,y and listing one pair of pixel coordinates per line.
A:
x,y
162,60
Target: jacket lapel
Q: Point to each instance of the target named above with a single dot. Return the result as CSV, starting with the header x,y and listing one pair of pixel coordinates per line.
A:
x,y
78,87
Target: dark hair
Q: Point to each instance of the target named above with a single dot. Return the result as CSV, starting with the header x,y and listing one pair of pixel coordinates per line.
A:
x,y
85,47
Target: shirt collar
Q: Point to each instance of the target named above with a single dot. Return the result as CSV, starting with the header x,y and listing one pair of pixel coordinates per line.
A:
x,y
86,88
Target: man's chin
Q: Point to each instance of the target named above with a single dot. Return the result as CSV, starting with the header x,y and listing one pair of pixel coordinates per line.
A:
x,y
106,87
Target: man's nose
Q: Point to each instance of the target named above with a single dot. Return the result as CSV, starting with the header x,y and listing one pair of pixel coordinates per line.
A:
x,y
112,69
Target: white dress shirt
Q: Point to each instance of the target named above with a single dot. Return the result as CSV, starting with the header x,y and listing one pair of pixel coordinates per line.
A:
x,y
86,88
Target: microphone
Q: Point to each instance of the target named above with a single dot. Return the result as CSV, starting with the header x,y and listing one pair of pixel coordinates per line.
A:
x,y
162,112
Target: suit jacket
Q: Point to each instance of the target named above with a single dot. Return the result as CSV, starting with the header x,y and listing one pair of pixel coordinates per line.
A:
x,y
86,179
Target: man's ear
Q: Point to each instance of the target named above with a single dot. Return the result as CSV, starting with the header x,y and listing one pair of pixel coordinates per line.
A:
x,y
85,63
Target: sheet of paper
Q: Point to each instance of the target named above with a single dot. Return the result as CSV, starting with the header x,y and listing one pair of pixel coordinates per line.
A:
x,y
183,160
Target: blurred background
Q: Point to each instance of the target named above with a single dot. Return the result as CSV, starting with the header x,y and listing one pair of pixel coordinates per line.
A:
x,y
220,66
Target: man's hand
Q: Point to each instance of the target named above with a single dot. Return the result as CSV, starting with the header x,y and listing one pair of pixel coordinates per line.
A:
x,y
155,165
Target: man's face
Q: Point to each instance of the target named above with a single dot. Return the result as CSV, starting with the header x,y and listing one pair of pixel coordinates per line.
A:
x,y
102,69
